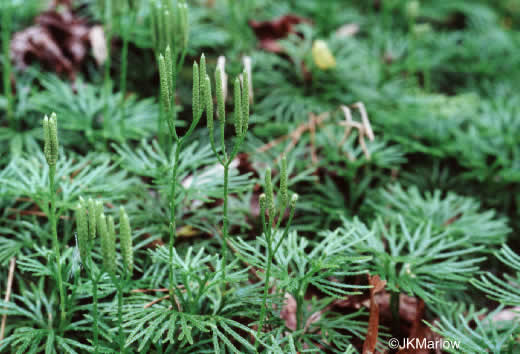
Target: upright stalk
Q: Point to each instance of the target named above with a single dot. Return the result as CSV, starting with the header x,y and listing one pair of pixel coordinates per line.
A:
x,y
167,75
266,290
122,83
241,120
394,308
167,22
6,34
225,221
124,63
169,37
95,280
107,81
270,228
173,228
299,310
118,283
56,243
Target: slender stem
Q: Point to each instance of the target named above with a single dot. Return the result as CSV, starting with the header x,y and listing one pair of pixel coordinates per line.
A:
x,y
280,217
267,232
225,221
299,310
161,134
223,139
122,84
120,313
286,231
124,58
94,279
52,219
6,34
300,297
189,295
95,311
394,308
127,31
107,81
266,290
172,220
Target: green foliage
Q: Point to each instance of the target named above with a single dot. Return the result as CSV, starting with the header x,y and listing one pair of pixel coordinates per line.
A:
x,y
453,214
475,331
418,261
26,176
201,311
507,290
79,108
257,232
298,264
35,331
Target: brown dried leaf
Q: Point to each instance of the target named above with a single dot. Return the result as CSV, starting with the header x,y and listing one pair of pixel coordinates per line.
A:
x,y
373,322
268,32
98,43
348,30
154,243
315,317
420,331
58,40
508,314
288,312
407,306
37,42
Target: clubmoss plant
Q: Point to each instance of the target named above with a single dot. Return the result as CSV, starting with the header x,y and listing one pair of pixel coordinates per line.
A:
x,y
87,227
271,224
104,226
108,243
241,123
82,231
92,213
126,13
125,236
170,30
167,88
86,233
50,149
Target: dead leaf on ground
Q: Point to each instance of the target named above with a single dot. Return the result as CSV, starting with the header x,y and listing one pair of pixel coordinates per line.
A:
x,y
411,312
419,330
288,312
507,314
315,317
59,40
373,322
269,32
348,30
154,243
99,44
